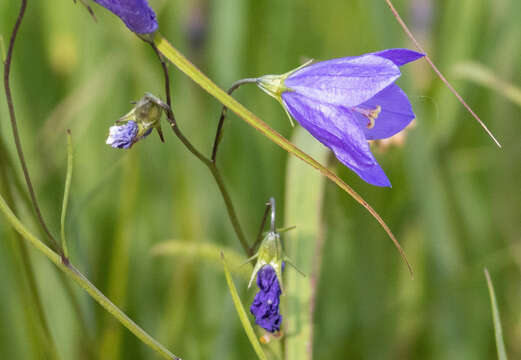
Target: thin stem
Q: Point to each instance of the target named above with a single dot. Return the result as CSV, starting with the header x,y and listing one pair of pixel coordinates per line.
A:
x,y
438,72
81,280
209,163
183,64
229,207
219,132
14,126
66,193
261,232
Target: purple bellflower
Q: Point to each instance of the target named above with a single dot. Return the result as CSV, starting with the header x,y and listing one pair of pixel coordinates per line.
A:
x,y
136,14
345,102
265,306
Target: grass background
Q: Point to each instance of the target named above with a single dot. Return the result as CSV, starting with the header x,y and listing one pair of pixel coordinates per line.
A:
x,y
455,203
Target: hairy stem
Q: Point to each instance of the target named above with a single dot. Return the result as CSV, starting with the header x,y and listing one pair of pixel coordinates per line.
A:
x,y
232,214
16,136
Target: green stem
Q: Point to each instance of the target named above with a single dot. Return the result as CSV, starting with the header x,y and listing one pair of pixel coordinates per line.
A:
x,y
81,280
33,299
210,163
229,207
66,193
176,58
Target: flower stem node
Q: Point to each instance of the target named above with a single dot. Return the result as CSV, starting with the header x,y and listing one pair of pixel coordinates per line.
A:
x,y
138,123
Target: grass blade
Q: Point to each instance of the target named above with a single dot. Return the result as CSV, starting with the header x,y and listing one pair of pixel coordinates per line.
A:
x,y
500,344
304,246
66,193
242,313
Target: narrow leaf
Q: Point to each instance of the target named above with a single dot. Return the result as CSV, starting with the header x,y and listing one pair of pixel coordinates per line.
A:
x,y
304,246
66,193
500,345
242,313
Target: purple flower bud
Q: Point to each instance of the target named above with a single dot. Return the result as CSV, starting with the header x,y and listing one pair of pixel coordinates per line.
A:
x,y
123,136
345,102
136,14
265,306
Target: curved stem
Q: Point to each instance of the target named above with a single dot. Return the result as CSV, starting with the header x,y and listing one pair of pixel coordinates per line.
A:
x,y
261,229
209,163
81,280
183,64
16,136
219,132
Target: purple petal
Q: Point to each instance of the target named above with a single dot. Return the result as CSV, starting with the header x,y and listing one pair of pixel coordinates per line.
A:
x,y
337,128
136,14
265,306
400,56
396,113
346,81
122,136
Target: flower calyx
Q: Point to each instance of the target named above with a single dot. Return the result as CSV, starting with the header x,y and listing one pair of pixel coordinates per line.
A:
x,y
138,123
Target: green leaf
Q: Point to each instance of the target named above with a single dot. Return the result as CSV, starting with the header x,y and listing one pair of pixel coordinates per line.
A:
x,y
303,245
500,344
242,313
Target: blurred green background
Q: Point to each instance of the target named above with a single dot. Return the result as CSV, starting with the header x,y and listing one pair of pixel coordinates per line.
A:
x,y
455,204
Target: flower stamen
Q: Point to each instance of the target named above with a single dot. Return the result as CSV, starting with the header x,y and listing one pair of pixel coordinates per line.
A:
x,y
370,114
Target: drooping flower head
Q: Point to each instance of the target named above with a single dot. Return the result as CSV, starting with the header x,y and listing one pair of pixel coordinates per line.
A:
x,y
265,306
345,102
136,14
138,123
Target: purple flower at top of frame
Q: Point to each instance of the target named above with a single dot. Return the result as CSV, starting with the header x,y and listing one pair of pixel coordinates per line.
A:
x,y
345,102
136,14
265,306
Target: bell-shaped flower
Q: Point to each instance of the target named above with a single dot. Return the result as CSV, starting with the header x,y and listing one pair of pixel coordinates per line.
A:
x,y
136,14
345,102
138,123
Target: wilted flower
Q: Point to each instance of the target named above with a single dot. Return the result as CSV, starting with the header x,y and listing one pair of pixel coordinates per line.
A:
x,y
265,306
138,123
123,136
345,102
136,14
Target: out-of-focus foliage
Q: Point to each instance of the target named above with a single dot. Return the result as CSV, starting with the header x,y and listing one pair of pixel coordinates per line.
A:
x,y
455,203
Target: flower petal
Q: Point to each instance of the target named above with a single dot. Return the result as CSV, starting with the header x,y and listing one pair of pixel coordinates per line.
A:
x,y
337,128
400,56
136,14
396,113
122,136
345,81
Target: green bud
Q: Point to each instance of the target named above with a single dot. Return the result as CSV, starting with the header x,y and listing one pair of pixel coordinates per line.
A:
x,y
146,114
